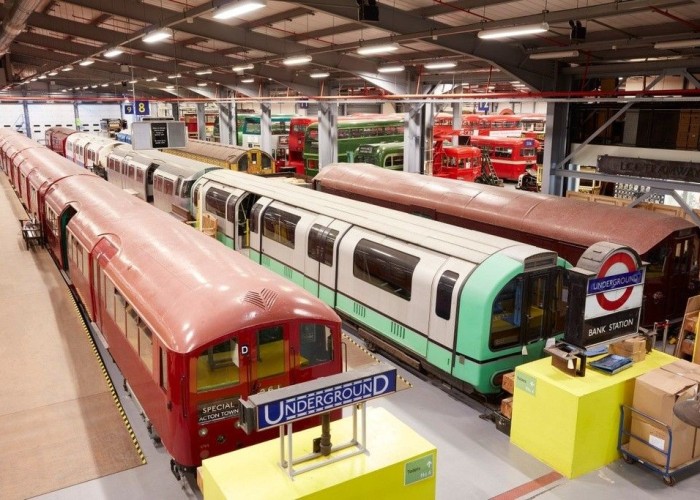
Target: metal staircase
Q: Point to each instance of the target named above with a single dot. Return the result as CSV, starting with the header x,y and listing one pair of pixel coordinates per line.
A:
x,y
488,173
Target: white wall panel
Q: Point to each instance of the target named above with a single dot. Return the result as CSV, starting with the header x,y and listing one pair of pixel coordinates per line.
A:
x,y
12,116
43,116
91,114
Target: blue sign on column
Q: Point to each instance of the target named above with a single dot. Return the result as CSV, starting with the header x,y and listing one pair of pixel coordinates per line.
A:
x,y
128,109
142,108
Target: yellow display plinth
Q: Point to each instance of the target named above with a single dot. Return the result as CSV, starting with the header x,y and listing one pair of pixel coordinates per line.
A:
x,y
572,423
399,465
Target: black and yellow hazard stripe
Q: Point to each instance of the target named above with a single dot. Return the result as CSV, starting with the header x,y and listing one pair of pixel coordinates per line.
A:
x,y
108,379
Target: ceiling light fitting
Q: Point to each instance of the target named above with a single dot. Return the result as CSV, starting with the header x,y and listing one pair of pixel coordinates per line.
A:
x,y
202,84
242,68
53,73
203,72
133,81
560,54
67,68
441,65
170,87
86,62
105,85
297,60
113,53
512,31
157,35
392,68
368,50
42,77
175,76
678,44
320,75
238,8
248,80
152,79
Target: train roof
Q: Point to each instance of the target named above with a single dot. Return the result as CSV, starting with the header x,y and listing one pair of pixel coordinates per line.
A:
x,y
190,289
180,165
465,244
563,219
214,150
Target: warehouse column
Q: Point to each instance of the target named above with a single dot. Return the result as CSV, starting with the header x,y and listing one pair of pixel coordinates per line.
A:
x,y
225,124
27,125
266,127
412,133
327,134
555,145
201,122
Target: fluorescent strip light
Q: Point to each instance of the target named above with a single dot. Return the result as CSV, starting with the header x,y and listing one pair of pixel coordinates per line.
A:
x,y
133,81
93,86
42,77
175,76
64,90
441,65
528,29
561,54
296,60
85,87
202,84
113,53
86,62
152,79
320,75
67,68
53,73
377,49
170,87
157,35
394,68
33,80
248,80
203,72
242,68
105,85
678,44
238,8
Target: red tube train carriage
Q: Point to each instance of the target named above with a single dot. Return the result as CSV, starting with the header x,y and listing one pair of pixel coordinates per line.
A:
x,y
669,244
226,328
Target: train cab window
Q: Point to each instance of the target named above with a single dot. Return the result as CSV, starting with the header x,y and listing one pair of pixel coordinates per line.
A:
x,y
315,344
270,348
215,201
505,316
218,366
536,305
657,261
186,189
280,226
321,242
384,267
445,288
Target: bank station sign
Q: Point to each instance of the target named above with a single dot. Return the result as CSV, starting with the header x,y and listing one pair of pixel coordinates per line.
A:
x,y
609,281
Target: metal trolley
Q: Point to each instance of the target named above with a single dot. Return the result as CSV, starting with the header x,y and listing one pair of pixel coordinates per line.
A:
x,y
665,471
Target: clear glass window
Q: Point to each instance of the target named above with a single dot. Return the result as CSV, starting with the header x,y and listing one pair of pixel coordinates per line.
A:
x,y
146,346
218,366
384,267
270,347
445,288
506,315
315,344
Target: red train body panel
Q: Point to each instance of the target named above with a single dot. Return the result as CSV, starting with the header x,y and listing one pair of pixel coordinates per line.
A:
x,y
192,326
56,139
569,227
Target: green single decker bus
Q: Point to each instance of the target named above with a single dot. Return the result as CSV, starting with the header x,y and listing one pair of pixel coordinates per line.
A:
x,y
351,134
382,154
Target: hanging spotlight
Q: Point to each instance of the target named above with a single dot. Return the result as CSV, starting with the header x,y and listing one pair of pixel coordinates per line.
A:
x,y
157,35
113,52
238,8
297,60
377,49
512,31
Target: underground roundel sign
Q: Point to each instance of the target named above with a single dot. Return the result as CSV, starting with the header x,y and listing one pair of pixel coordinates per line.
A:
x,y
616,281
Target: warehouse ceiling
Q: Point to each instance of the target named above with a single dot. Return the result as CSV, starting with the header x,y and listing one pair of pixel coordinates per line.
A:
x,y
591,40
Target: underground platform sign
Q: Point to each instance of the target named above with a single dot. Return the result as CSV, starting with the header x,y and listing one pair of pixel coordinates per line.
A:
x,y
608,282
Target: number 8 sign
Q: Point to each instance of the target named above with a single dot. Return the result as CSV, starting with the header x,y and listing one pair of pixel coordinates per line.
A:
x,y
142,108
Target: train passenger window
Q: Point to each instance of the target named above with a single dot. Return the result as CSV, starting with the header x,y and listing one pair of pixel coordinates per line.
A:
x,y
216,368
168,187
270,348
443,300
384,267
231,208
315,344
254,217
119,310
186,189
321,242
158,183
146,346
280,226
109,296
131,330
215,201
163,369
139,175
506,314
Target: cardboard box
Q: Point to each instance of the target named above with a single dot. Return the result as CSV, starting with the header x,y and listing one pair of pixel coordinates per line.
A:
x,y
508,383
684,369
634,348
655,393
507,407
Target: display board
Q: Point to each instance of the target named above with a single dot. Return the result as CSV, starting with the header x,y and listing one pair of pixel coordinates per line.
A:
x,y
158,135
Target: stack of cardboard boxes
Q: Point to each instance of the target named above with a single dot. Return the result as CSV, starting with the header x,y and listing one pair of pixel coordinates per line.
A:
x,y
634,348
655,393
508,385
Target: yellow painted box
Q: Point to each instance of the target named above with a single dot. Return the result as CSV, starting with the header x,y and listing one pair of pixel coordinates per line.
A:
x,y
399,465
572,423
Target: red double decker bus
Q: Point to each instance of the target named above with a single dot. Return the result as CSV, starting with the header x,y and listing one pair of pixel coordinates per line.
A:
x,y
510,156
